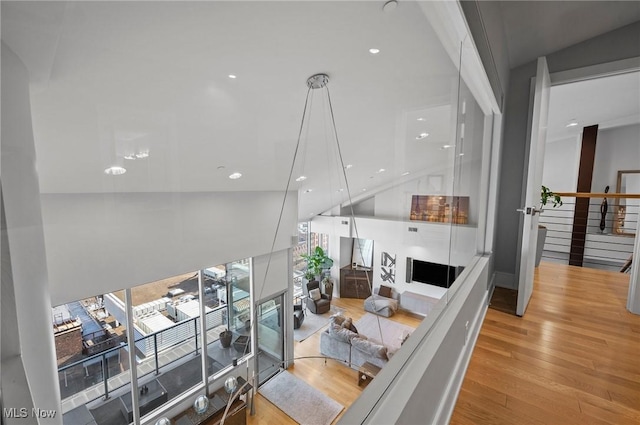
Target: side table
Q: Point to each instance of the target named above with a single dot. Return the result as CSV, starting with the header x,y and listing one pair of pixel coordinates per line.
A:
x,y
366,373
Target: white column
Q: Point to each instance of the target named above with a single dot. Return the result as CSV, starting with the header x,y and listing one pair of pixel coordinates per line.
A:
x,y
21,194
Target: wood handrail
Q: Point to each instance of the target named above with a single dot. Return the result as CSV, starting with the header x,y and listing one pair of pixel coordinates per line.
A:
x,y
598,195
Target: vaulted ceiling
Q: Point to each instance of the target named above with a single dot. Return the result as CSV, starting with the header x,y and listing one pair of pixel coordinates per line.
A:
x,y
116,80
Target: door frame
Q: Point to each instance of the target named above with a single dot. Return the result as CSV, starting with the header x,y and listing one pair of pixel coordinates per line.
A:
x,y
572,76
282,296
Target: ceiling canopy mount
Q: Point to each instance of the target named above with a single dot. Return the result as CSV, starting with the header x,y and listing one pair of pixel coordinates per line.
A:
x,y
317,81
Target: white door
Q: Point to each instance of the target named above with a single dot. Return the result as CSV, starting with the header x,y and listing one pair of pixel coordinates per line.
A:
x,y
531,187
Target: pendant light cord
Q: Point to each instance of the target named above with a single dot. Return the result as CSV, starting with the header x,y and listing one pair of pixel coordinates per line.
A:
x,y
353,219
286,192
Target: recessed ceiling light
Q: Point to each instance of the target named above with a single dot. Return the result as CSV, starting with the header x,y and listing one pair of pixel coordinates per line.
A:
x,y
422,136
142,155
421,119
364,190
461,154
346,167
374,51
301,178
573,123
115,170
235,176
233,77
446,146
406,173
382,170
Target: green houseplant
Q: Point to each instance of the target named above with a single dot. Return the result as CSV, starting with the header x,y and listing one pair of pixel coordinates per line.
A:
x,y
317,262
546,197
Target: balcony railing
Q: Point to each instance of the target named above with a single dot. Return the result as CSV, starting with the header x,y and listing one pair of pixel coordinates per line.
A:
x,y
101,374
587,232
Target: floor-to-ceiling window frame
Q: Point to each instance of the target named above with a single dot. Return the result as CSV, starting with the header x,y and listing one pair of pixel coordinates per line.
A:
x,y
158,327
270,333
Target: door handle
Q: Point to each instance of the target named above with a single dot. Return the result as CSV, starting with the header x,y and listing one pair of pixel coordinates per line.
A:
x,y
529,211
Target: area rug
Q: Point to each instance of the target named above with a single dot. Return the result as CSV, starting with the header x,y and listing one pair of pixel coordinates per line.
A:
x,y
300,401
313,323
392,332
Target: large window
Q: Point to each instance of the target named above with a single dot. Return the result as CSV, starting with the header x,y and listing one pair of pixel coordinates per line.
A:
x,y
93,349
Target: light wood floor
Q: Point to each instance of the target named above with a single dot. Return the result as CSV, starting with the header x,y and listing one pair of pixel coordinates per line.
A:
x,y
574,358
332,378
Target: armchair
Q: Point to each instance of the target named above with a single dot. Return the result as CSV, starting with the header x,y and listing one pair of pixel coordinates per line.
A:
x,y
317,302
298,316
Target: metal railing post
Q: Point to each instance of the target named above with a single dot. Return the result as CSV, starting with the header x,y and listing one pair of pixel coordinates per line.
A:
x,y
195,327
155,352
105,376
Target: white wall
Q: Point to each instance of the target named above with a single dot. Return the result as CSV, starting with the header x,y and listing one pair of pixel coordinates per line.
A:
x,y
561,161
616,149
98,243
430,243
271,274
26,248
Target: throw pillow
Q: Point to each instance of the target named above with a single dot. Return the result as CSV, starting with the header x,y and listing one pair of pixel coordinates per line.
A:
x,y
385,291
337,319
315,294
347,323
370,348
340,333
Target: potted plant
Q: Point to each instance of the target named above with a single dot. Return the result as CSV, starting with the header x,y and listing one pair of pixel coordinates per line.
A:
x,y
317,262
309,275
546,197
327,284
225,338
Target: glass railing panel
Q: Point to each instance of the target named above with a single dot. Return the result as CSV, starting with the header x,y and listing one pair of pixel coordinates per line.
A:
x,y
467,207
240,310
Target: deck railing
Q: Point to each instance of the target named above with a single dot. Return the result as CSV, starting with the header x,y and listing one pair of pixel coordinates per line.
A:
x,y
587,231
100,374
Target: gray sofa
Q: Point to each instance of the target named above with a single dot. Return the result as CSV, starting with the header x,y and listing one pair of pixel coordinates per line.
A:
x,y
353,349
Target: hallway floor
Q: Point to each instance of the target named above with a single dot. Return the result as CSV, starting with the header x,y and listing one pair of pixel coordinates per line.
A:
x,y
572,359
